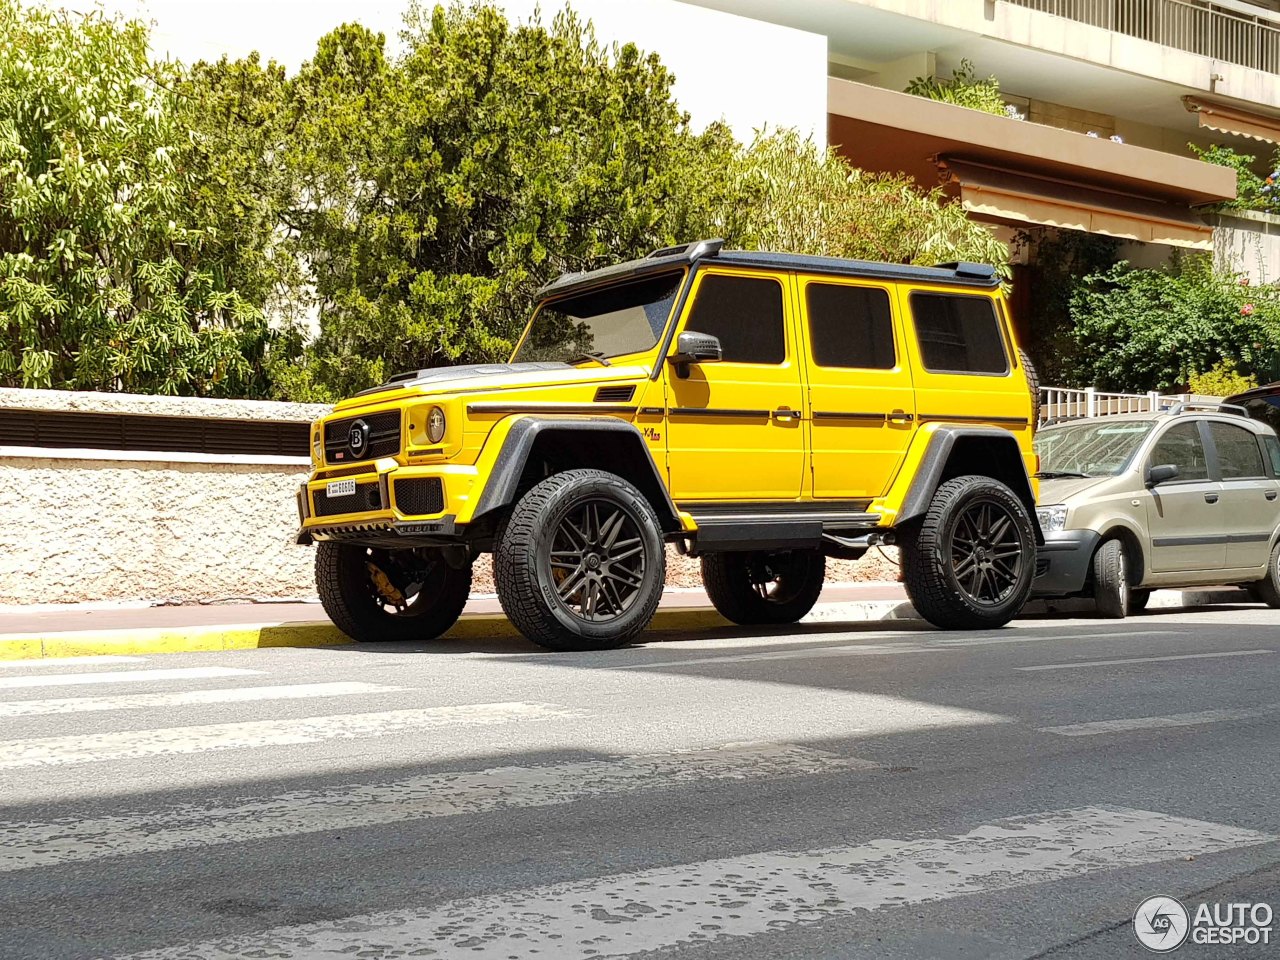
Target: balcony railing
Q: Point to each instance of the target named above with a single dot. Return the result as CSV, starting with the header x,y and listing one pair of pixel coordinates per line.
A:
x,y
1221,31
1066,403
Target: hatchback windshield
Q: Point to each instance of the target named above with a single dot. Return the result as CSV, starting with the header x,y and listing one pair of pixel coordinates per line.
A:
x,y
628,318
1090,448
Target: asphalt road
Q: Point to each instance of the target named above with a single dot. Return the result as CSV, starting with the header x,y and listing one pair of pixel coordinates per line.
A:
x,y
831,792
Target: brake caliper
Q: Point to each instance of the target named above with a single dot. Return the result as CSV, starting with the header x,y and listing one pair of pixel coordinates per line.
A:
x,y
390,592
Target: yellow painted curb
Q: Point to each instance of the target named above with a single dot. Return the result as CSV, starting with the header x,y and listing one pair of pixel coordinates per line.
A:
x,y
85,643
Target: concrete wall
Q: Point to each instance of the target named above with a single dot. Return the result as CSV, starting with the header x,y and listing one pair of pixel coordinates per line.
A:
x,y
1249,242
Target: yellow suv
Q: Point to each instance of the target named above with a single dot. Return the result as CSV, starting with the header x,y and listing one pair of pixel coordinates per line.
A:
x,y
761,411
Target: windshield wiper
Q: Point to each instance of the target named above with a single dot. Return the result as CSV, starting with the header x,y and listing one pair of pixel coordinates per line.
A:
x,y
1062,475
597,357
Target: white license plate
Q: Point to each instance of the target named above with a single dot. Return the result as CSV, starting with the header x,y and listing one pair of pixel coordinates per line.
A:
x,y
340,488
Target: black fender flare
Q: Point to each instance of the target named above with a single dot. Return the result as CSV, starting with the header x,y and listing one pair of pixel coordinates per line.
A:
x,y
951,448
623,451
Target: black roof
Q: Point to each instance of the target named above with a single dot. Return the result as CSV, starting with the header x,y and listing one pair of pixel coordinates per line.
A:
x,y
968,274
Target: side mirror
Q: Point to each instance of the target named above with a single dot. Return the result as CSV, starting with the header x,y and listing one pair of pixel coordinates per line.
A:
x,y
693,347
1162,473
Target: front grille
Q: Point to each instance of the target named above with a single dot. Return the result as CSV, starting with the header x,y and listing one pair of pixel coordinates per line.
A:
x,y
420,496
367,497
384,437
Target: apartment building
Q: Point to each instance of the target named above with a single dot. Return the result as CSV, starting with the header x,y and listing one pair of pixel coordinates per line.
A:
x,y
1110,94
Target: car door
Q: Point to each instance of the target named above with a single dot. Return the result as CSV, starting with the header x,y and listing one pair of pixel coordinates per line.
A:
x,y
1249,495
1185,516
733,426
861,400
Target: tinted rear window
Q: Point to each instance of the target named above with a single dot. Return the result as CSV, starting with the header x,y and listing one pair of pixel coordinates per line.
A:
x,y
850,326
958,334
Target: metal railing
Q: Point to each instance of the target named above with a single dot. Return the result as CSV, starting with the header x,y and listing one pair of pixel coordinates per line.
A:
x,y
1059,403
1216,30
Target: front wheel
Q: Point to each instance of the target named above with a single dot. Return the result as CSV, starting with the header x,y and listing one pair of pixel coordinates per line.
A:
x,y
579,563
1267,590
1111,593
374,595
970,563
764,588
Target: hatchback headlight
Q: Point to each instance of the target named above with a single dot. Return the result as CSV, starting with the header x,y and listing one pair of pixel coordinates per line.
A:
x,y
1053,518
435,425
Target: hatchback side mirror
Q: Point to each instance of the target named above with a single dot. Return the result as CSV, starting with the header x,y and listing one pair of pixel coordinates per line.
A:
x,y
693,347
1162,473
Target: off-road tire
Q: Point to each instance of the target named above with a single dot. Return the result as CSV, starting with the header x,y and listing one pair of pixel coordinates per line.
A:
x,y
1267,590
728,579
927,558
1033,384
1139,597
1111,594
523,573
343,582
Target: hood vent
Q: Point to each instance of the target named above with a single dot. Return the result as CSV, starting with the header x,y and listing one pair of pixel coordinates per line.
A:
x,y
615,394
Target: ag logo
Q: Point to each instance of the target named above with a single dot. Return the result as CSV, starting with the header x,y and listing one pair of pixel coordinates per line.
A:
x,y
1161,924
358,439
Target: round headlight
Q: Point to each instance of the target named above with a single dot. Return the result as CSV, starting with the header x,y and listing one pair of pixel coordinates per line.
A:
x,y
435,425
317,445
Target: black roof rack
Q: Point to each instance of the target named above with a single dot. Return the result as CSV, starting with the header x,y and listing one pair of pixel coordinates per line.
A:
x,y
669,258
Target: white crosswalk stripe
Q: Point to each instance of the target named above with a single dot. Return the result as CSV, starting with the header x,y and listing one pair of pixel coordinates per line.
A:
x,y
96,747
187,698
738,897
28,845
58,662
1127,724
123,676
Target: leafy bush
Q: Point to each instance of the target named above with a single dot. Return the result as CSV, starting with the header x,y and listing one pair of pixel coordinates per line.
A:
x,y
1253,192
1222,380
1152,329
964,89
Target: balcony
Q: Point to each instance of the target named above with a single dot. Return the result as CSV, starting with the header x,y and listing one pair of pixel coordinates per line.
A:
x,y
1227,32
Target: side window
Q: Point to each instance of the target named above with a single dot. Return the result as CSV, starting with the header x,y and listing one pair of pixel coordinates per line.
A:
x,y
1181,446
1238,453
850,326
958,334
1273,451
745,313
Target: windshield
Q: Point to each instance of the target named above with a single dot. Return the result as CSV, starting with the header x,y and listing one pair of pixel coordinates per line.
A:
x,y
1092,448
628,318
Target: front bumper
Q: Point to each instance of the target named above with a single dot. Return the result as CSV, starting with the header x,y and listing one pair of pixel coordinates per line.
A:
x,y
1062,562
387,505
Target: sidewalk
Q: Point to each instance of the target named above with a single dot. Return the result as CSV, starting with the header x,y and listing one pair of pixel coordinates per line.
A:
x,y
106,629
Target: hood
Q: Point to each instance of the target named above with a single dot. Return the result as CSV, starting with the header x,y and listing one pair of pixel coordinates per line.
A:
x,y
1062,490
486,377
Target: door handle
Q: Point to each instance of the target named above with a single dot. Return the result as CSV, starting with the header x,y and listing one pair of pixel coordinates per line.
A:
x,y
1210,498
1270,494
900,416
784,413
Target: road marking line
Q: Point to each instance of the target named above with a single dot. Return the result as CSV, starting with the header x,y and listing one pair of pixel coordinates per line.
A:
x,y
69,661
1124,724
25,845
875,649
731,899
1109,663
185,698
124,676
89,748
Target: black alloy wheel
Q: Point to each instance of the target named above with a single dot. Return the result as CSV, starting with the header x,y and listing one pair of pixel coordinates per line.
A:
x,y
764,588
986,552
597,560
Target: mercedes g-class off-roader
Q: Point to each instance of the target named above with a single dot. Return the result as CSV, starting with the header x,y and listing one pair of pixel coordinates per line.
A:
x,y
761,411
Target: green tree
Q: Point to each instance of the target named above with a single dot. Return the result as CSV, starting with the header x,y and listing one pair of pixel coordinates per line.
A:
x,y
1154,329
1253,191
105,275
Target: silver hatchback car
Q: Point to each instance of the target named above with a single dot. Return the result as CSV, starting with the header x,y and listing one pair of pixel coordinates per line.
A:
x,y
1134,502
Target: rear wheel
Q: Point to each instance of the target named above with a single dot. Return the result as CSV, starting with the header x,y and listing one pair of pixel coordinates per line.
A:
x,y
758,588
1111,581
580,563
1267,590
970,563
374,595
